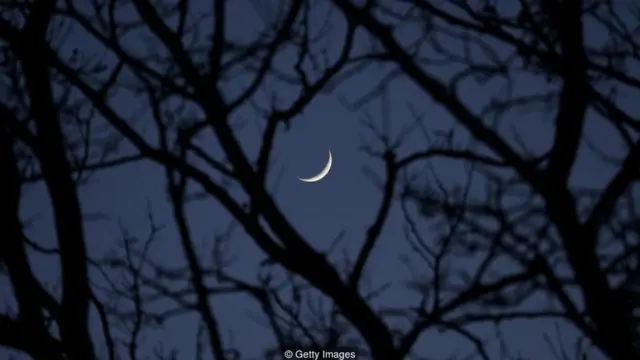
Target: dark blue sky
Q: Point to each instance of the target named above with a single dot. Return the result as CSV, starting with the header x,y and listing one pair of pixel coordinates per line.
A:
x,y
345,201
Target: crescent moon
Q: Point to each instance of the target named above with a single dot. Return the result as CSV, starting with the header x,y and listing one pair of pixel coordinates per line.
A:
x,y
322,173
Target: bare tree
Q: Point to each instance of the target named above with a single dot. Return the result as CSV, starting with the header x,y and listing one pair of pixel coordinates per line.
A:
x,y
519,236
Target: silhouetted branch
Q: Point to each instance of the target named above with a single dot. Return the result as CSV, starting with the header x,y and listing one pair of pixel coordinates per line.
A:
x,y
501,224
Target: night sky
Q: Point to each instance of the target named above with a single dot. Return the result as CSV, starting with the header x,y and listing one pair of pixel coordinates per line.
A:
x,y
342,204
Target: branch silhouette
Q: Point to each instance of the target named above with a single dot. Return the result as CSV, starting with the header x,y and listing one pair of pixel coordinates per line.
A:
x,y
498,223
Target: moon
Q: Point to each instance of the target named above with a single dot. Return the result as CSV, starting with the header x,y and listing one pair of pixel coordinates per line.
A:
x,y
322,173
